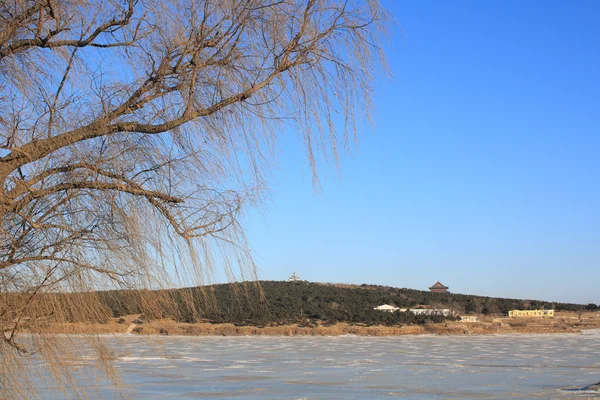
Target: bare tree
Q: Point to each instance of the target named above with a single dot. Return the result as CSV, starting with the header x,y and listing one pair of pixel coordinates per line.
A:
x,y
134,133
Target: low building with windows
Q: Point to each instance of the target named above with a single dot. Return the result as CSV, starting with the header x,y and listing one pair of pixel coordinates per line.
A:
x,y
469,318
417,311
428,311
531,313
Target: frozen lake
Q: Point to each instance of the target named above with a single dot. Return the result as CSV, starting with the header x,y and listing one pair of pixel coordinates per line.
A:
x,y
410,367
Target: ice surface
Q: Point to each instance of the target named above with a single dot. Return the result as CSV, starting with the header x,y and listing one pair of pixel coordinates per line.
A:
x,y
411,367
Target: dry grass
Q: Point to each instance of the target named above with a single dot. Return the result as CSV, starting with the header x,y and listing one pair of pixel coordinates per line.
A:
x,y
563,323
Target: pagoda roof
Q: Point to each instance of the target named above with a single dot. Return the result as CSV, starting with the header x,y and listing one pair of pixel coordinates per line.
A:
x,y
438,285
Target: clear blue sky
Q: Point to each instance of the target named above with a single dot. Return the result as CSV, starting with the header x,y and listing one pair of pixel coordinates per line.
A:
x,y
482,169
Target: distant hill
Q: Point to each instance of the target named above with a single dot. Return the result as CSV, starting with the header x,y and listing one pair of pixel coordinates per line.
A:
x,y
275,302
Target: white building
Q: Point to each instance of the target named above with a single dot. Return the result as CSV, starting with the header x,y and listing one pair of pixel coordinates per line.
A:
x,y
417,311
428,311
386,307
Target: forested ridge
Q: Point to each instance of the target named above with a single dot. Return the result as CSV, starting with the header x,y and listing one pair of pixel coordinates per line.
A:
x,y
276,302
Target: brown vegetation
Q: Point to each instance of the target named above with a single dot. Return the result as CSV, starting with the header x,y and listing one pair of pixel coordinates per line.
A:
x,y
565,322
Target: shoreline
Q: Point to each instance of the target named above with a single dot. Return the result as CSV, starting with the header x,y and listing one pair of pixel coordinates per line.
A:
x,y
563,323
161,336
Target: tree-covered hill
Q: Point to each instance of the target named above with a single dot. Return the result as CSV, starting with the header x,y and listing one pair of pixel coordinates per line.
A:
x,y
274,302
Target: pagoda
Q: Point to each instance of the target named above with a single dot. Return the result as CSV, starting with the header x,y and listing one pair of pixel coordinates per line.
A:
x,y
438,288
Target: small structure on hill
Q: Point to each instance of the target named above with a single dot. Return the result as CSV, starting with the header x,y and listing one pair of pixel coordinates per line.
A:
x,y
469,318
294,278
386,307
531,313
438,288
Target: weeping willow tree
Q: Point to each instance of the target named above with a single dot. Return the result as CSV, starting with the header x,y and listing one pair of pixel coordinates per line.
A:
x,y
134,134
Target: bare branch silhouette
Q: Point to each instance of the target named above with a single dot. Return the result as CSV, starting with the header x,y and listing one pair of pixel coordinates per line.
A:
x,y
134,134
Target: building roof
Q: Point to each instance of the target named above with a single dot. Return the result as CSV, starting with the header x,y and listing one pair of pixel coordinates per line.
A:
x,y
386,306
438,285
